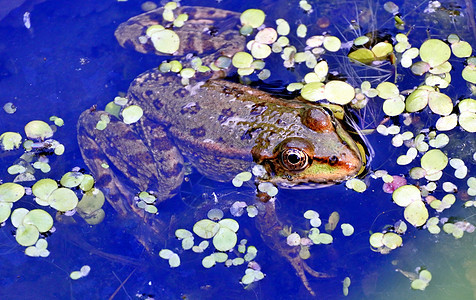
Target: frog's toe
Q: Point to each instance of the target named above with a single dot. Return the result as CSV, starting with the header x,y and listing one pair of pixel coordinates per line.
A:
x,y
314,273
302,268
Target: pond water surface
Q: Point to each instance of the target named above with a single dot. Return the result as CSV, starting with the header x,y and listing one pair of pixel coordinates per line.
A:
x,y
69,60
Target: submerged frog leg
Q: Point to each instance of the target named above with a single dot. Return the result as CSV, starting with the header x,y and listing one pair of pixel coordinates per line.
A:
x,y
208,32
270,228
125,152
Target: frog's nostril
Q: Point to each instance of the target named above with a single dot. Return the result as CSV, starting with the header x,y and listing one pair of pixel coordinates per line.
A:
x,y
333,160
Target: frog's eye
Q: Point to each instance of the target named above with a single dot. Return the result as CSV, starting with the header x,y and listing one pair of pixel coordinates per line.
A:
x,y
294,159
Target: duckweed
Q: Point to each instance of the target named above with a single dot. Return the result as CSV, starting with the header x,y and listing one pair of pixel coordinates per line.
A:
x,y
63,199
132,114
10,140
252,17
11,192
347,229
434,52
38,130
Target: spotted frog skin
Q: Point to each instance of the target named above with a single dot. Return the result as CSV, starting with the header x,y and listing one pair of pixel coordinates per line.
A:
x,y
221,128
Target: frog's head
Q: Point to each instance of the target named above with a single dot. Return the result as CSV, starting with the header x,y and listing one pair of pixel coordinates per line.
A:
x,y
321,151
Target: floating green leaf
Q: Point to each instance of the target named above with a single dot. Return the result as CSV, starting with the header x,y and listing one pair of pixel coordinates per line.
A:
x,y
416,213
339,92
174,260
392,240
293,239
393,107
40,219
208,261
260,51
242,60
43,188
63,199
461,49
406,194
434,160
387,90
313,91
11,192
347,229
165,41
206,229
132,114
38,130
332,43
27,235
440,103
252,17
215,214
72,179
362,55
267,36
283,27
467,121
434,52
91,201
469,74
225,239
417,100
10,140
382,49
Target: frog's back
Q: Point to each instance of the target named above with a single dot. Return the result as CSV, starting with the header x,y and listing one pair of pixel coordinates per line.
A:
x,y
214,123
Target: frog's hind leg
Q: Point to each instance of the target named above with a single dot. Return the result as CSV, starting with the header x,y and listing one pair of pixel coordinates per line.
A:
x,y
208,32
271,228
124,152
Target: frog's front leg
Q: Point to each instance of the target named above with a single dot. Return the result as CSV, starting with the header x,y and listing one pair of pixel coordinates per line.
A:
x,y
120,149
271,228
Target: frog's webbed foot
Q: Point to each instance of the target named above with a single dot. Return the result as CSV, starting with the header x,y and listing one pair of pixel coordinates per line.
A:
x,y
210,32
271,228
301,268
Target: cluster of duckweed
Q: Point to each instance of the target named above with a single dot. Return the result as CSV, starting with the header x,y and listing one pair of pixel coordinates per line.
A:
x,y
166,40
345,286
430,60
129,114
83,272
259,172
314,236
419,280
146,201
356,184
385,242
238,208
223,235
309,238
427,146
33,226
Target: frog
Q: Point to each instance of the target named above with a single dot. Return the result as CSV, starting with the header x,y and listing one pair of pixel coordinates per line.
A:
x,y
217,126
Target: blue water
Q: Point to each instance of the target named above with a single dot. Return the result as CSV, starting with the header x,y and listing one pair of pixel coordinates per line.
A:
x,y
69,60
